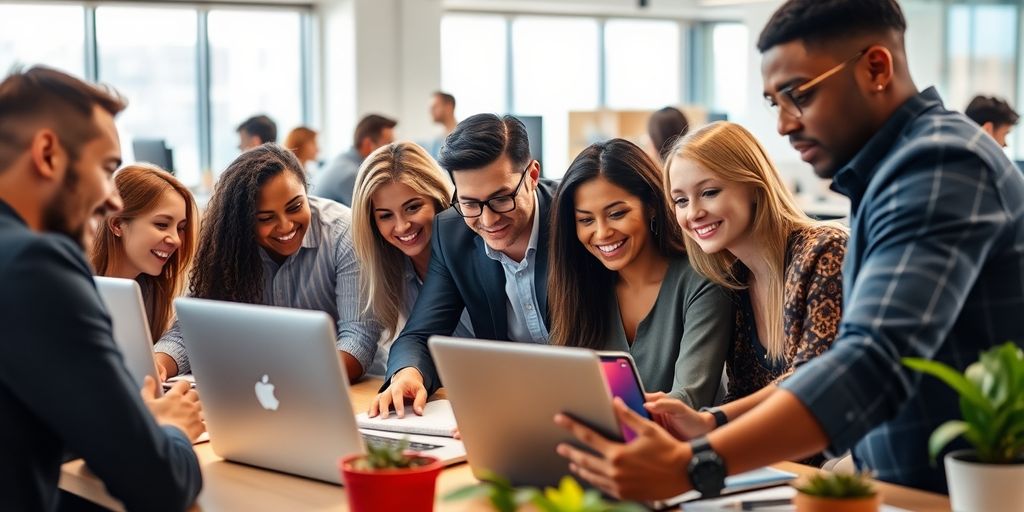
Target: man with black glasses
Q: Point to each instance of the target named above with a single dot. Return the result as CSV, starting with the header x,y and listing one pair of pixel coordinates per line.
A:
x,y
488,255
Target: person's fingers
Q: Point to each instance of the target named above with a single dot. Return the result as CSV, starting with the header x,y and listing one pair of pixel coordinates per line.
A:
x,y
148,390
629,418
665,406
374,406
385,403
606,485
192,395
583,433
420,401
456,434
598,466
657,395
179,388
398,401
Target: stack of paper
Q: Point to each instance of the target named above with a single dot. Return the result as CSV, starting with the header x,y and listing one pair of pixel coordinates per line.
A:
x,y
437,420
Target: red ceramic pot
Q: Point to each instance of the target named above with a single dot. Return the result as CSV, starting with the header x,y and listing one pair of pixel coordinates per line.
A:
x,y
390,490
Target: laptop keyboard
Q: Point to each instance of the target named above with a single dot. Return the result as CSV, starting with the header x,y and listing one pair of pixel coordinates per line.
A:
x,y
378,441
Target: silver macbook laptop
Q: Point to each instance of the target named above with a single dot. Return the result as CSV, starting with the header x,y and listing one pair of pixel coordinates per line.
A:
x,y
274,391
123,299
505,396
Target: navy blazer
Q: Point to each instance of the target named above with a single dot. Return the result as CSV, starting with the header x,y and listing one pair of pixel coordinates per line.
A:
x,y
461,276
64,386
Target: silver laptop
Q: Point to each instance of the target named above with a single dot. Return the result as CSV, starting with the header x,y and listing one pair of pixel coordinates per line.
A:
x,y
505,396
274,391
123,299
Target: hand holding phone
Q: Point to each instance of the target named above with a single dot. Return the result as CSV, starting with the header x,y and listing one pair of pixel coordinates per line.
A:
x,y
624,382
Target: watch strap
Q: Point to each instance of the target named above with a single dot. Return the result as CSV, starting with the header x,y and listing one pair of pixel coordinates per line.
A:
x,y
719,414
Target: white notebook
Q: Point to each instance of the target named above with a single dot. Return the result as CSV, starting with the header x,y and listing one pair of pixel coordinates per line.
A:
x,y
437,420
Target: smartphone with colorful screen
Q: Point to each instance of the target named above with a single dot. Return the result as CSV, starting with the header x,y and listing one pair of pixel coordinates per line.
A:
x,y
624,382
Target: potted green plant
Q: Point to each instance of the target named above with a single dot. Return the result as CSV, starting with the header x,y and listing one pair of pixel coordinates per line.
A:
x,y
836,492
390,478
568,497
990,476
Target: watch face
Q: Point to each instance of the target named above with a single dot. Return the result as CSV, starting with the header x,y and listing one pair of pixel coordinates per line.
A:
x,y
708,475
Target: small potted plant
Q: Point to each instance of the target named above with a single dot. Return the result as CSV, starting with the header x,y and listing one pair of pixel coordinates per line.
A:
x,y
390,478
568,497
835,492
990,476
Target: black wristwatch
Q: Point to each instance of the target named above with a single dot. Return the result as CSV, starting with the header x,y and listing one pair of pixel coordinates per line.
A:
x,y
720,417
706,470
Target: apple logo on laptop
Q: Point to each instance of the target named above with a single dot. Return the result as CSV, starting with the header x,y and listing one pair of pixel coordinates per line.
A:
x,y
265,394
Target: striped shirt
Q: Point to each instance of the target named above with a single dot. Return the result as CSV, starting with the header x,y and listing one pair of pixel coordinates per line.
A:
x,y
323,275
934,269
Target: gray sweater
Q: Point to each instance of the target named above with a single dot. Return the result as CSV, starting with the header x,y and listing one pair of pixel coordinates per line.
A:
x,y
681,345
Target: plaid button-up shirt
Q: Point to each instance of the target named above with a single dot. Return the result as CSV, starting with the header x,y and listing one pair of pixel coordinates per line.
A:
x,y
934,269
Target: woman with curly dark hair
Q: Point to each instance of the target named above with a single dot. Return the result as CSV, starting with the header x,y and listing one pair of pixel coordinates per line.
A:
x,y
263,240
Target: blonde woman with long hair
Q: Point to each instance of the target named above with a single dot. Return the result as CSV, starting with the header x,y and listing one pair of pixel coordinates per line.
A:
x,y
398,191
744,231
151,240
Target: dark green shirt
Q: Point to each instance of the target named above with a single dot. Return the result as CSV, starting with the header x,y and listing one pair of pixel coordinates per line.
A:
x,y
681,345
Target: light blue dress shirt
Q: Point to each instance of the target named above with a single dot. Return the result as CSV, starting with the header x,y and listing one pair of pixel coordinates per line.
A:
x,y
525,320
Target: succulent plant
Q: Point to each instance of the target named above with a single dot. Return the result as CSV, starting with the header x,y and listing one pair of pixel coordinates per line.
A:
x,y
837,486
389,456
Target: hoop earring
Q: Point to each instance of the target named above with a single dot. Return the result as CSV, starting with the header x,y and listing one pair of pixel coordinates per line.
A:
x,y
654,226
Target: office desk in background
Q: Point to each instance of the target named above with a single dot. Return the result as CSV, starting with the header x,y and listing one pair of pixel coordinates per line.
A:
x,y
229,487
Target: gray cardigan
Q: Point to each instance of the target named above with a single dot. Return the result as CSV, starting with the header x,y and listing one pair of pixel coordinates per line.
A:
x,y
681,345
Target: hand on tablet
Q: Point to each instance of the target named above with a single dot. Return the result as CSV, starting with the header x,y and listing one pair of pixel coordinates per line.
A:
x,y
179,407
651,466
678,418
407,383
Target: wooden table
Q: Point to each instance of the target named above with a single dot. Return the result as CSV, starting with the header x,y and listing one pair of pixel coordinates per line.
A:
x,y
229,486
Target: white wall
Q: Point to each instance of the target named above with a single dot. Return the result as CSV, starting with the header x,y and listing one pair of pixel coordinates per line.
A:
x,y
381,57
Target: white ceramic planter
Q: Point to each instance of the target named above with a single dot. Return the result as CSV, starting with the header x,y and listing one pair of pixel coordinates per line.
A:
x,y
976,487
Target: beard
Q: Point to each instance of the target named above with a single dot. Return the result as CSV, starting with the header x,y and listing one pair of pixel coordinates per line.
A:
x,y
59,215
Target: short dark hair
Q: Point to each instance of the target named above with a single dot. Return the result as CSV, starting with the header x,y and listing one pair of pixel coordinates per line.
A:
x,y
62,101
989,109
445,98
371,127
664,127
483,138
261,126
819,21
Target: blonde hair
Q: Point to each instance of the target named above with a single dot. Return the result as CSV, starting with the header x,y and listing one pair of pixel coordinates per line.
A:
x,y
140,187
731,153
381,282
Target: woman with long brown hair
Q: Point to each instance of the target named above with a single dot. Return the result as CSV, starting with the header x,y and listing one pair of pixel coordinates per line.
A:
x,y
620,280
151,240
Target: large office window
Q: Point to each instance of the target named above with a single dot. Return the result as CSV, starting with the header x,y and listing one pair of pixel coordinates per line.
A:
x,y
53,35
641,64
154,66
474,62
982,44
255,68
730,47
555,70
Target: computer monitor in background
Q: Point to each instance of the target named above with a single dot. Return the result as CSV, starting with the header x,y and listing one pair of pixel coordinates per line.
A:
x,y
154,151
535,131
717,116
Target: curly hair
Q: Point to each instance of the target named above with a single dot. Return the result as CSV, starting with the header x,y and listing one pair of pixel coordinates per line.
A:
x,y
227,264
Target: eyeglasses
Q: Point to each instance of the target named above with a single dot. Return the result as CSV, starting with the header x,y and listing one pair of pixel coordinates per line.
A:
x,y
792,99
499,204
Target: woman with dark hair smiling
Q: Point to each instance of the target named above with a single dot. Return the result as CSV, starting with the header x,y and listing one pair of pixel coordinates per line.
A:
x,y
264,241
620,279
